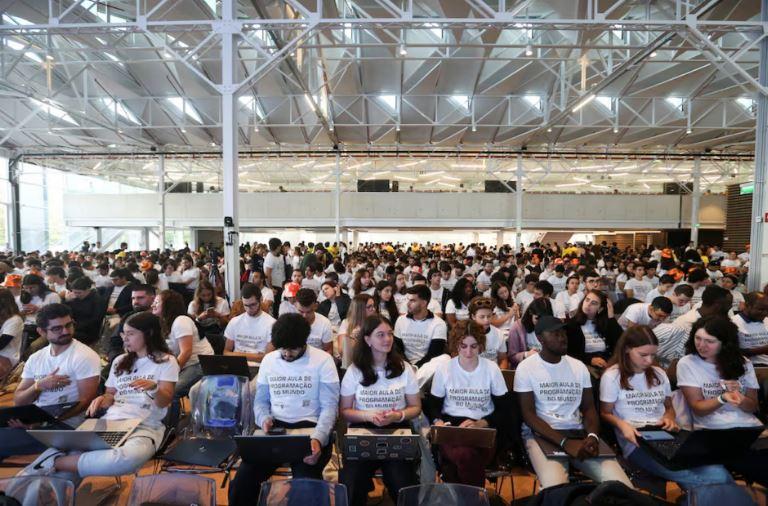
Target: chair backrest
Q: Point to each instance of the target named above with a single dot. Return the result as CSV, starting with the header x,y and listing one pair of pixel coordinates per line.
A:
x,y
221,407
37,489
441,494
173,489
302,492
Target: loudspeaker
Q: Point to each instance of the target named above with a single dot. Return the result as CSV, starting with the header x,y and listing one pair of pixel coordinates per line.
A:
x,y
373,185
395,186
181,187
496,186
199,187
674,188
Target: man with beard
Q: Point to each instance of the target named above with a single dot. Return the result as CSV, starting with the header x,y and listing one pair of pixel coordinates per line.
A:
x,y
142,297
297,387
65,371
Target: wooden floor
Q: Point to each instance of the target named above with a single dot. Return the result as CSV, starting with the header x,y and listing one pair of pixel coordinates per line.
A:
x,y
103,490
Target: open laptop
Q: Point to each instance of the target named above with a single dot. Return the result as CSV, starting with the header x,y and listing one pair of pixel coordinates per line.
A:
x,y
464,436
213,365
31,414
262,448
364,443
553,450
684,448
92,434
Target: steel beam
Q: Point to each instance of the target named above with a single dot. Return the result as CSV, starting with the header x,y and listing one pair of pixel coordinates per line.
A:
x,y
695,202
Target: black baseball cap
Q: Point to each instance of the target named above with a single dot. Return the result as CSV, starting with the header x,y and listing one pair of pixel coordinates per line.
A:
x,y
548,323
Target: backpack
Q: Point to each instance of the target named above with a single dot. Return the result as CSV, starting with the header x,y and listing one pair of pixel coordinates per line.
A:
x,y
609,493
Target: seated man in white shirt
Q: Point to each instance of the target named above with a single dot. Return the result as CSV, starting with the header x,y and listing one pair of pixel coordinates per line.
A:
x,y
681,301
558,279
753,328
646,314
484,277
729,282
423,335
555,392
525,296
666,282
321,334
250,333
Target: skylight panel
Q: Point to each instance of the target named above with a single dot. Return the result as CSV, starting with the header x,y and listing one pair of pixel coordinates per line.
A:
x,y
461,100
676,102
120,110
185,108
18,46
252,104
54,111
534,101
390,101
606,102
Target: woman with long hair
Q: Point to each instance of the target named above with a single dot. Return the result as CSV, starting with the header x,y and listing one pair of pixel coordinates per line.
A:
x,y
208,309
11,330
34,295
384,300
140,386
457,307
634,393
363,283
522,341
379,389
182,337
336,303
401,285
570,297
592,334
505,309
720,386
361,307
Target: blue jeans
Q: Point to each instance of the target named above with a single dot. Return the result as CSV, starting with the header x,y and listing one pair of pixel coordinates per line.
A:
x,y
687,478
17,442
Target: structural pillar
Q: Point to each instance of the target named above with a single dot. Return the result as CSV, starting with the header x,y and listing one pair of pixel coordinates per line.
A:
x,y
99,239
758,263
337,198
499,238
519,203
696,201
229,150
13,176
161,195
476,237
145,238
355,238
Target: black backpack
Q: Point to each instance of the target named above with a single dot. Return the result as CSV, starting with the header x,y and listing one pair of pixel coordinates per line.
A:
x,y
609,493
6,500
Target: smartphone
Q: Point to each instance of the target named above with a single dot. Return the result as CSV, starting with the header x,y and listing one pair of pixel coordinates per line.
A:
x,y
657,435
276,431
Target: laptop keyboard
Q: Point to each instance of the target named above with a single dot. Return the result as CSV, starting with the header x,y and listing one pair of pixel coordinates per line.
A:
x,y
667,448
111,437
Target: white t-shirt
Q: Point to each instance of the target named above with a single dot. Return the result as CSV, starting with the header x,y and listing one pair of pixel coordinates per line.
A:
x,y
194,275
78,361
639,288
637,314
385,394
569,302
495,344
13,326
251,334
438,294
557,389
294,387
462,313
277,264
184,326
557,283
333,315
593,342
133,403
678,311
267,294
50,298
640,406
523,299
467,394
693,371
221,306
653,294
320,332
418,334
752,335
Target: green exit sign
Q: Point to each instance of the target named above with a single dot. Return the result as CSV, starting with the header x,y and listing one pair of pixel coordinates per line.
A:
x,y
747,189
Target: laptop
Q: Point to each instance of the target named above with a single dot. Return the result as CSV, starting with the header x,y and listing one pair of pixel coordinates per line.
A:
x,y
92,434
201,451
553,450
363,443
235,365
463,436
31,414
261,448
685,448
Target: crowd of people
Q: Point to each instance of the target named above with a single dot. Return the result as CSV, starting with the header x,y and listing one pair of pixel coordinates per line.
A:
x,y
602,341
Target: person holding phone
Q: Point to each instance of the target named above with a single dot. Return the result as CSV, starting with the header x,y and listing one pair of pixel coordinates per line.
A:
x,y
297,387
633,394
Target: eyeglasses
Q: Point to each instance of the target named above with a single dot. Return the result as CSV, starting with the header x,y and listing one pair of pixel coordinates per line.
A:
x,y
58,329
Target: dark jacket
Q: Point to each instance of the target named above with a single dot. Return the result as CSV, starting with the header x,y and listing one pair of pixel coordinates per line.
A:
x,y
342,306
123,303
88,314
611,332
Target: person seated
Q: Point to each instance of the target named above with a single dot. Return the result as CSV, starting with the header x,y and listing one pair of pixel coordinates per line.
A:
x,y
361,307
480,311
422,333
592,333
555,395
313,402
634,394
65,371
663,289
753,329
457,307
336,303
11,330
140,386
720,386
321,335
646,313
522,341
379,389
638,286
249,334
210,311
467,391
87,311
681,301
288,303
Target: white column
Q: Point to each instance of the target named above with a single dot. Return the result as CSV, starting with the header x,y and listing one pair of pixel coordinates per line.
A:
x,y
499,238
695,201
758,264
99,239
354,238
229,152
475,237
519,204
145,238
337,198
161,195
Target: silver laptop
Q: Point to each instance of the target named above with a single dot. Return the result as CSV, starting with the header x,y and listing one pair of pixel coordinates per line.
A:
x,y
92,434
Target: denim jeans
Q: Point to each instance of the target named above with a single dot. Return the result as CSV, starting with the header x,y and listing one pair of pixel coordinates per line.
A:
x,y
687,478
